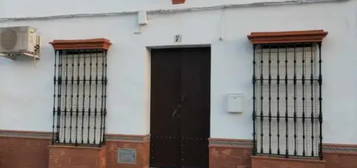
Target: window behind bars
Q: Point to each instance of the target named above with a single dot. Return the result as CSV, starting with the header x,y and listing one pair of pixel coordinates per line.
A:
x,y
79,109
287,99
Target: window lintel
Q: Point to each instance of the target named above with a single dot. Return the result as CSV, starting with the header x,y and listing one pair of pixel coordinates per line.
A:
x,y
305,36
98,43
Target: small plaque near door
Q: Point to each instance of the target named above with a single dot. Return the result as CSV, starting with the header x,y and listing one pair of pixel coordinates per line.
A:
x,y
126,155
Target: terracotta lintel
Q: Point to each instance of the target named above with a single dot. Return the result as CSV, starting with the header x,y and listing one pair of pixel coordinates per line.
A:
x,y
178,1
99,43
306,36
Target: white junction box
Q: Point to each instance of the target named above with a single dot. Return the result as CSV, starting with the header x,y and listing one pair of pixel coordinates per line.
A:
x,y
142,18
235,103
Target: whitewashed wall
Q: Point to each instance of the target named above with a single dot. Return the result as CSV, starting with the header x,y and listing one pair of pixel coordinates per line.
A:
x,y
26,86
29,8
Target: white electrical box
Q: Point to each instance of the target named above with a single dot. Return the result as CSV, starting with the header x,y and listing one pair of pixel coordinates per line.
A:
x,y
142,18
235,103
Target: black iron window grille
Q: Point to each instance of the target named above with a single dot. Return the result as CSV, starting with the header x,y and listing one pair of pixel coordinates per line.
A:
x,y
79,106
287,113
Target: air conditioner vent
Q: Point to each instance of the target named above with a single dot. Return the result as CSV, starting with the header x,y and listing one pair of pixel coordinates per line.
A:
x,y
8,39
21,40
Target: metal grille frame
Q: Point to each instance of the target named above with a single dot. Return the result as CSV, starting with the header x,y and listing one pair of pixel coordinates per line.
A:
x,y
80,95
287,100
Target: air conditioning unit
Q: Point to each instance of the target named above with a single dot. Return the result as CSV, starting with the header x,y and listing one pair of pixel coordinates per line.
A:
x,y
19,41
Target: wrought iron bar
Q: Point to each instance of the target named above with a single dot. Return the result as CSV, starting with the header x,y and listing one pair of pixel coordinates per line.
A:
x,y
77,103
254,101
59,95
261,101
96,98
89,98
269,98
295,112
83,96
71,97
286,104
320,101
102,97
312,98
278,97
65,99
303,101
105,92
54,97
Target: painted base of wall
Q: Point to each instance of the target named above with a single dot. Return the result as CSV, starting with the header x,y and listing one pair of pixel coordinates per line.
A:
x,y
20,149
101,157
140,144
29,150
340,156
74,157
273,162
229,153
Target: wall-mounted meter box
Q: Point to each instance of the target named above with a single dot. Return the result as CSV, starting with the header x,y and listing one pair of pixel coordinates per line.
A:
x,y
142,18
235,103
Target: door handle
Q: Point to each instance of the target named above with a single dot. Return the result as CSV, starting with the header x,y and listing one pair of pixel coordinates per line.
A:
x,y
178,107
176,110
183,99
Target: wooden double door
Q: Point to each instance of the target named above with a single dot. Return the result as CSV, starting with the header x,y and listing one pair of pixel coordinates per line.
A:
x,y
180,107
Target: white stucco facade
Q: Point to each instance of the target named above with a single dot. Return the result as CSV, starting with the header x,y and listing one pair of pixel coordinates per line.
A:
x,y
26,87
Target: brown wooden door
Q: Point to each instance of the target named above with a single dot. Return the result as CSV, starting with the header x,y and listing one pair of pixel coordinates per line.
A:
x,y
180,107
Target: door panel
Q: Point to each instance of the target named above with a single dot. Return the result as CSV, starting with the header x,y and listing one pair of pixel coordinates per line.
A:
x,y
180,107
165,89
195,87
